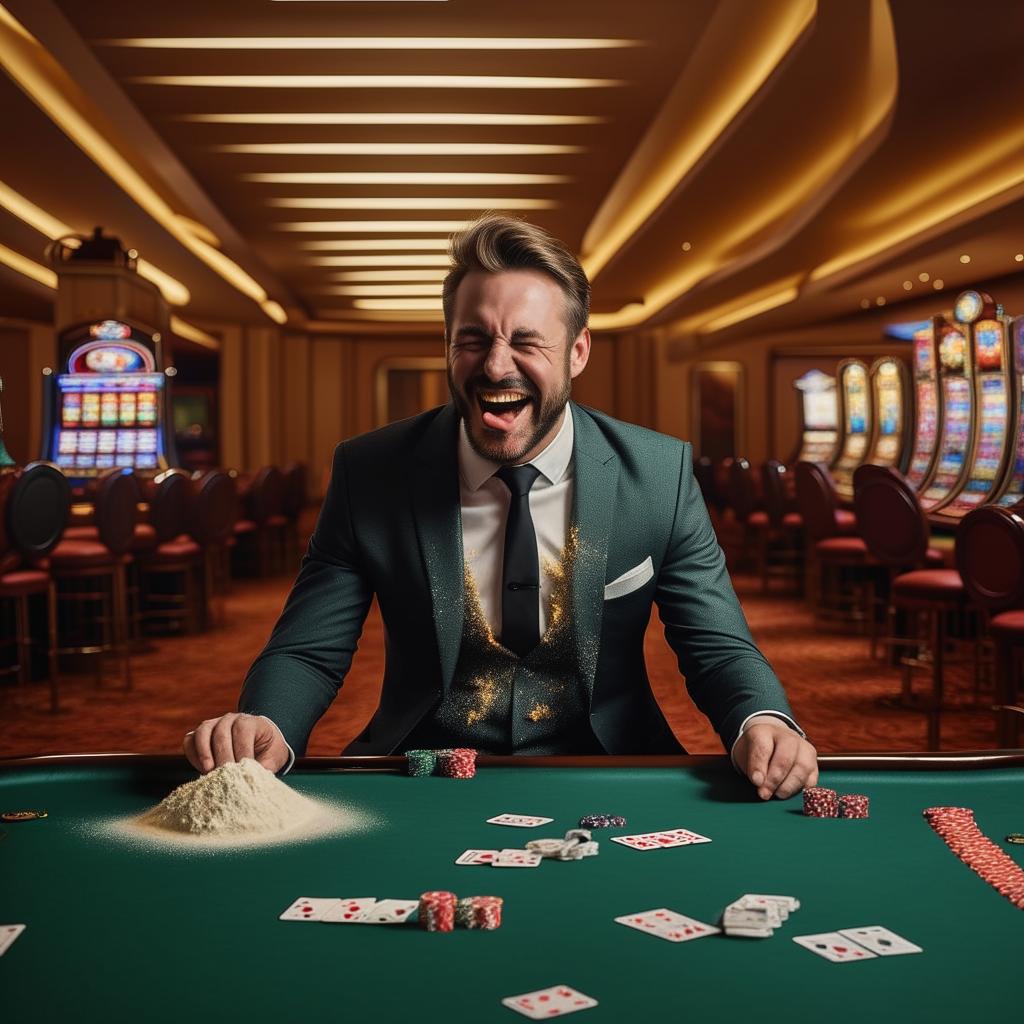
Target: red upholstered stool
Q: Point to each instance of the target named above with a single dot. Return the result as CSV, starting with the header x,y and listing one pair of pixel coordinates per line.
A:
x,y
744,502
262,532
990,557
210,523
91,577
779,529
296,497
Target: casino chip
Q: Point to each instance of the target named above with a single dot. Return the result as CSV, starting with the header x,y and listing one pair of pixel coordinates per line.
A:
x,y
437,911
853,805
820,802
459,763
11,816
421,763
1017,838
602,821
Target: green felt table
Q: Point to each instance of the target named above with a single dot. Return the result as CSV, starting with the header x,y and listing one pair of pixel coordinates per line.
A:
x,y
119,932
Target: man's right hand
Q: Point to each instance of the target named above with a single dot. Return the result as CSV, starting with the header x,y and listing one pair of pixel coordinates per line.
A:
x,y
233,736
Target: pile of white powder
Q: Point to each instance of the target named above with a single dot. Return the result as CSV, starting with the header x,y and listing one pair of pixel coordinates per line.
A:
x,y
239,804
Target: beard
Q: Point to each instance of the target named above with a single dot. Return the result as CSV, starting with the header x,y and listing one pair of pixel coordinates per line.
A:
x,y
495,446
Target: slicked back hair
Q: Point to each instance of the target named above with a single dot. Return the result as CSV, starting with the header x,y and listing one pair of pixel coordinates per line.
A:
x,y
495,244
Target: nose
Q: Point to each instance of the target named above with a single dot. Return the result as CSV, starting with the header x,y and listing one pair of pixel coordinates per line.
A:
x,y
499,362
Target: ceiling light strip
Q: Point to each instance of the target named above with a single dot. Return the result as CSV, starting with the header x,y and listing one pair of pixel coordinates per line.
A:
x,y
183,329
381,290
374,244
50,88
372,226
377,119
399,148
366,43
375,82
440,260
404,178
403,276
28,268
431,305
412,203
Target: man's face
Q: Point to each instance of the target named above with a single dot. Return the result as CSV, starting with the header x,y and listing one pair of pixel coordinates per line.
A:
x,y
510,365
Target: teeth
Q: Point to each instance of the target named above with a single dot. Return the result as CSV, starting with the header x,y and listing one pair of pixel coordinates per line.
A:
x,y
501,397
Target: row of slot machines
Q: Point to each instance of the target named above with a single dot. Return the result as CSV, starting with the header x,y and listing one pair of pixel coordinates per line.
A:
x,y
952,420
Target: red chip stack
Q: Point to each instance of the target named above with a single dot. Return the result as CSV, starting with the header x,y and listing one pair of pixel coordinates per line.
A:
x,y
960,832
459,763
437,911
853,805
485,913
820,802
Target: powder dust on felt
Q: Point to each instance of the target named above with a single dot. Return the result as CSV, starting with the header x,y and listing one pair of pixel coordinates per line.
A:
x,y
239,804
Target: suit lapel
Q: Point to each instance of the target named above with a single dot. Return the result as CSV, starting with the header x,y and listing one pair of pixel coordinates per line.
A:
x,y
435,483
596,480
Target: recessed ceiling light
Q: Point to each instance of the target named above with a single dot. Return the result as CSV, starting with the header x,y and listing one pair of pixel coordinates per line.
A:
x,y
880,301
1019,257
398,148
908,285
372,226
423,304
865,303
965,258
307,117
374,290
390,275
923,277
687,246
385,244
412,203
440,260
374,81
938,284
405,178
366,43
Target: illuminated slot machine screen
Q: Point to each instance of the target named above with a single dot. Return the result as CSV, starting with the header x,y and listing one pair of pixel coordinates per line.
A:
x,y
853,379
957,409
820,417
888,389
926,394
1013,489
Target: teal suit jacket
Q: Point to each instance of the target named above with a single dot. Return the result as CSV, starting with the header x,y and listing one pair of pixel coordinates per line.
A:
x,y
390,526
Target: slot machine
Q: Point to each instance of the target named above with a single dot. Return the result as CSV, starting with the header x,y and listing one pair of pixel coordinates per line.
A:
x,y
927,408
890,393
1011,488
106,405
855,424
819,418
956,396
989,447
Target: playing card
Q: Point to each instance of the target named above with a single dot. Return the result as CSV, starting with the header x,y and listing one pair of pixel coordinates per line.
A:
x,y
834,946
390,912
880,940
752,917
667,924
517,859
477,857
661,840
786,904
309,908
349,911
549,1002
518,820
8,933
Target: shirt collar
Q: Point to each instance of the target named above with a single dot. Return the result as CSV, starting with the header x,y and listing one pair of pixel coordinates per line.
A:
x,y
552,462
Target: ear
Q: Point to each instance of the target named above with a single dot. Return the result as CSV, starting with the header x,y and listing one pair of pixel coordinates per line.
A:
x,y
579,353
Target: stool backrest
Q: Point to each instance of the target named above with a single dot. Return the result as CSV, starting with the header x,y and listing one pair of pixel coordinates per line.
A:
x,y
990,556
296,489
37,509
214,507
890,519
266,494
773,484
117,509
721,474
170,496
816,500
742,492
704,474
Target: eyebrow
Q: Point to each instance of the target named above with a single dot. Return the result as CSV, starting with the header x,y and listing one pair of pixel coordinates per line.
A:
x,y
478,331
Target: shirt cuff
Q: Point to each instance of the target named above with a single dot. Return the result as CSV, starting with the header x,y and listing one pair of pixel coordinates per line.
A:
x,y
749,720
291,753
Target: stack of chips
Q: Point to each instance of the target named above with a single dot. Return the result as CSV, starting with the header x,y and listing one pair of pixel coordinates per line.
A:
x,y
421,763
482,912
853,805
602,821
459,763
820,802
437,911
757,917
576,845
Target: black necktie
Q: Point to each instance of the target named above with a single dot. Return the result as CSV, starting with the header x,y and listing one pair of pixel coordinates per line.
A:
x,y
520,582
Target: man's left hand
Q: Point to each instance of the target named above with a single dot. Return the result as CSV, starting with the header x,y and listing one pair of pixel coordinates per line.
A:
x,y
776,759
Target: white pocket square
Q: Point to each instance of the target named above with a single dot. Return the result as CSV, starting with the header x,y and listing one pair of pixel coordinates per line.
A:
x,y
630,581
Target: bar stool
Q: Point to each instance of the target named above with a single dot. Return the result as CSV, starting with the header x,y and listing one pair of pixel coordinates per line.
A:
x,y
990,557
832,549
745,502
210,523
296,496
91,574
35,503
261,533
779,530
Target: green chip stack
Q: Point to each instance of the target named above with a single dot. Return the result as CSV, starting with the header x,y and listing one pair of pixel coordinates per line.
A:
x,y
421,763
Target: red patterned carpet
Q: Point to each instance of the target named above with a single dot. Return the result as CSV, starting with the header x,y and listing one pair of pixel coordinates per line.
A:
x,y
835,689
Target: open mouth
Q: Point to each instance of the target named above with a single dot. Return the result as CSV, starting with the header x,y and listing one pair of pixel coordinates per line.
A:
x,y
501,407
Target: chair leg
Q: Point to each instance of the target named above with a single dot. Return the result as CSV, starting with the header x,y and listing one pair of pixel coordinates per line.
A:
x,y
51,628
121,630
22,640
935,710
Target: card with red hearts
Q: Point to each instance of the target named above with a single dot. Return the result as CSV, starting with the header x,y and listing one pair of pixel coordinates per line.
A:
x,y
549,1002
834,947
517,859
518,820
663,840
309,908
667,924
472,857
350,911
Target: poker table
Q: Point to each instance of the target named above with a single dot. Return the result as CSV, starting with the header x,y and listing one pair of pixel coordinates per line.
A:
x,y
127,932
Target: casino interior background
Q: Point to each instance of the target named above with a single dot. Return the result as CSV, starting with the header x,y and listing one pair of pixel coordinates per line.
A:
x,y
803,224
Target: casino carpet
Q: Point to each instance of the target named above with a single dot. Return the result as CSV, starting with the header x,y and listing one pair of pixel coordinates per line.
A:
x,y
837,692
